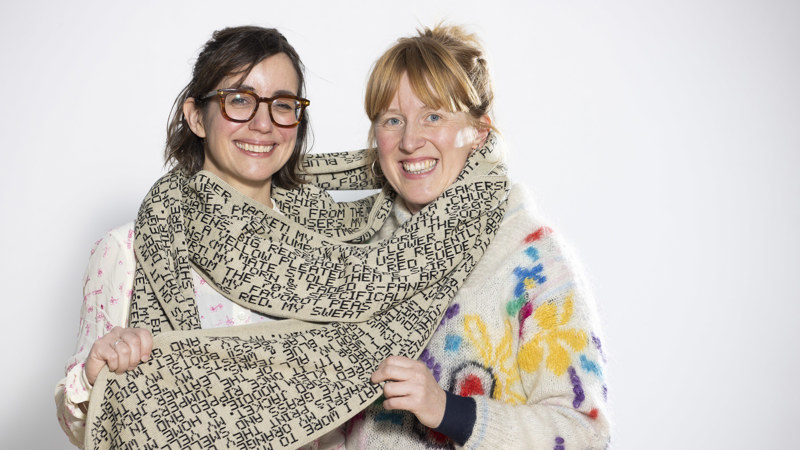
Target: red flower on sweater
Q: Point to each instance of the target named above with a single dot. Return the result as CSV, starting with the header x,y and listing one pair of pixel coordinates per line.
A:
x,y
472,379
471,385
538,234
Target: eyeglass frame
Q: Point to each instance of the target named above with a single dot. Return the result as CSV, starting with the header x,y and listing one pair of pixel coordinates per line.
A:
x,y
221,94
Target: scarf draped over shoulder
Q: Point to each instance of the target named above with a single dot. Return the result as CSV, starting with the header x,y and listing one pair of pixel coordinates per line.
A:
x,y
347,305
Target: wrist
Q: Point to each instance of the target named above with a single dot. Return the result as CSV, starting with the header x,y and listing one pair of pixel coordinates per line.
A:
x,y
459,418
85,379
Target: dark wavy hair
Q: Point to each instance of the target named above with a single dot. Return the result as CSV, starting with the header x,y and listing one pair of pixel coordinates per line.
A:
x,y
232,51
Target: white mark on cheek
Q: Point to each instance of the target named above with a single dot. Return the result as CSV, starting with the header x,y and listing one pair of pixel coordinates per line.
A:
x,y
464,137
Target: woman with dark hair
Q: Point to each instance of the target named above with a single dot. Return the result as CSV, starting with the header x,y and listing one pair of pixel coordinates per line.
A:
x,y
241,118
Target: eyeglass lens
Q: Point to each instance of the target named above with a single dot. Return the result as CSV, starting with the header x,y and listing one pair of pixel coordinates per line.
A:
x,y
241,105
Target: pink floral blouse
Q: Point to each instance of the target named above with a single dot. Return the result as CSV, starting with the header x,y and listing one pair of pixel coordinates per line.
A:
x,y
107,287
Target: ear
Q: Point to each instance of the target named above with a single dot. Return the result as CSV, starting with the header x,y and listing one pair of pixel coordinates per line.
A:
x,y
483,131
194,116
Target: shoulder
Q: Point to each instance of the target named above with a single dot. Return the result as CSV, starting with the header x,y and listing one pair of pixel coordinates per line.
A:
x,y
118,240
122,233
522,219
526,239
526,224
521,206
535,234
508,247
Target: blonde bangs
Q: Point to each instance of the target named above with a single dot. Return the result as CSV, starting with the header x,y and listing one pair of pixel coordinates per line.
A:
x,y
381,86
435,77
446,70
438,80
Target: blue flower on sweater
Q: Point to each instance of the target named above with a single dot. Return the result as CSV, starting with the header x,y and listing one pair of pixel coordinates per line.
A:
x,y
524,277
452,342
591,366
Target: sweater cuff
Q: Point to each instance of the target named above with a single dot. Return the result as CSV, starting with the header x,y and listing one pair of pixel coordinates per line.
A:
x,y
459,418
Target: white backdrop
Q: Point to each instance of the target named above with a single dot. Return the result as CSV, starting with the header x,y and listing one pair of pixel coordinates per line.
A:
x,y
660,137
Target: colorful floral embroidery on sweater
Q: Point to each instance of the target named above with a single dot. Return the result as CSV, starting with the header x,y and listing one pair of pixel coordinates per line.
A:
x,y
551,338
501,357
523,327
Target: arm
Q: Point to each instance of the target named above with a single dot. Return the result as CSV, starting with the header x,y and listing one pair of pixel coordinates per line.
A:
x,y
107,286
411,387
559,358
525,349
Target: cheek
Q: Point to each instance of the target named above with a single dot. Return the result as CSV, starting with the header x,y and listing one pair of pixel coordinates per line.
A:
x,y
464,137
455,155
386,142
454,162
218,129
289,135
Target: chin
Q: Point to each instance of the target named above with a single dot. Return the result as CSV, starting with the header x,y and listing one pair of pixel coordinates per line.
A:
x,y
419,200
259,174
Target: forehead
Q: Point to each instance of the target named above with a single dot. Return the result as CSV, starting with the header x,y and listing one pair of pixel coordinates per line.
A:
x,y
276,73
417,90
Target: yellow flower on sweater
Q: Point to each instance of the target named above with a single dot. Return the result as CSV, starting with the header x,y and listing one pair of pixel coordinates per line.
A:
x,y
499,358
552,336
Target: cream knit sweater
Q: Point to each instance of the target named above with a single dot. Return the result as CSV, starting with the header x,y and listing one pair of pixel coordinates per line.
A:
x,y
522,338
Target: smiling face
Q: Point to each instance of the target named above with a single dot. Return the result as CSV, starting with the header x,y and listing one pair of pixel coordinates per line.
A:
x,y
421,149
246,155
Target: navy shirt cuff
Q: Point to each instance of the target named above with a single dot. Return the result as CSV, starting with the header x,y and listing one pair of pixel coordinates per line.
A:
x,y
459,418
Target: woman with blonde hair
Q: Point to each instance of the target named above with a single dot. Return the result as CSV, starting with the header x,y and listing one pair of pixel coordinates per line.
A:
x,y
516,361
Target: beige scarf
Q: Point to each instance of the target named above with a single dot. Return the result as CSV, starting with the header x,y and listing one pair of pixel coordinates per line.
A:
x,y
349,306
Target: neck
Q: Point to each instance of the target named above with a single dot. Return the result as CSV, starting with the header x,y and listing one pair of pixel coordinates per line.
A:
x,y
262,196
411,209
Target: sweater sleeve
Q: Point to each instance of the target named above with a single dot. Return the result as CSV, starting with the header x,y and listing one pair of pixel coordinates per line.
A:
x,y
459,418
559,358
107,285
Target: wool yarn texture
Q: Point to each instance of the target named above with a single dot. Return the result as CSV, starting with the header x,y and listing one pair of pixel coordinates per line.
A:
x,y
347,305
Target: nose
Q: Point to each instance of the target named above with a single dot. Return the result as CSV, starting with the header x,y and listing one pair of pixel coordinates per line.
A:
x,y
261,121
412,139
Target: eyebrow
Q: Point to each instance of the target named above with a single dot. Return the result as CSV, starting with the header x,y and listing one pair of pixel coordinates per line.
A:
x,y
279,92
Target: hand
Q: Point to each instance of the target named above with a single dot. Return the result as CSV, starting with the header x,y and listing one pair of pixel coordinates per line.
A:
x,y
121,349
410,386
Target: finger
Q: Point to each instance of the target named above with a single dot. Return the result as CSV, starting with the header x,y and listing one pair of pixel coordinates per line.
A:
x,y
391,373
399,361
146,342
108,355
106,350
393,361
398,389
427,405
399,403
379,374
123,351
134,354
100,355
390,404
429,414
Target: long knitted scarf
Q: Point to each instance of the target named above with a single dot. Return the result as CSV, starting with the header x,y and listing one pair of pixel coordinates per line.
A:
x,y
348,306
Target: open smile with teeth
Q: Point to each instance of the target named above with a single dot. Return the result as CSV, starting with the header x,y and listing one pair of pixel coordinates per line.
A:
x,y
255,148
419,166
